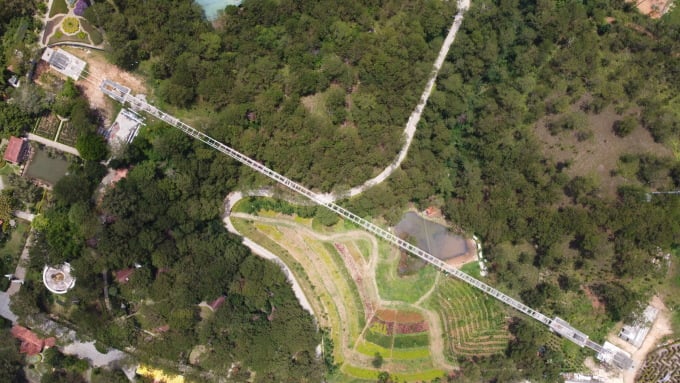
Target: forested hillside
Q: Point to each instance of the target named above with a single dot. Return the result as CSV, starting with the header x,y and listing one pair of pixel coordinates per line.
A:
x,y
318,90
552,233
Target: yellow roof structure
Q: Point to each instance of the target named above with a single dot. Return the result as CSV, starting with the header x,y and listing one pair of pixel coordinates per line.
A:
x,y
158,375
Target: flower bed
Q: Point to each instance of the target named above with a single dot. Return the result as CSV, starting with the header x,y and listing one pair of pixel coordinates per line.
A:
x,y
70,25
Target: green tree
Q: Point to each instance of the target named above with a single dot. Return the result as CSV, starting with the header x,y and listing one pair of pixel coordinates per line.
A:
x,y
92,147
624,127
377,361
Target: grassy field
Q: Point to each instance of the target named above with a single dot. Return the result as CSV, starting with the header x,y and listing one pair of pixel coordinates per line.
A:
x,y
11,248
94,33
368,375
473,324
58,6
407,288
673,16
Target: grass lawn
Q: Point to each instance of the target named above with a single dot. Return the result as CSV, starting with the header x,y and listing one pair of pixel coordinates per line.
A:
x,y
401,288
673,16
94,33
9,169
58,6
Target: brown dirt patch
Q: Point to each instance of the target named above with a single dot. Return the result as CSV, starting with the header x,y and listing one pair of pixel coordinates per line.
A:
x,y
652,8
598,156
398,316
100,69
597,304
469,256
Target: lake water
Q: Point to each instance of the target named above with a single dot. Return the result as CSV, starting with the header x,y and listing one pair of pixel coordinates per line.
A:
x,y
212,7
431,236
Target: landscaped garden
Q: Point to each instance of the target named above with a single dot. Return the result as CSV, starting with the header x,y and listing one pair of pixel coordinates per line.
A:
x,y
68,134
378,320
58,7
70,25
474,323
47,126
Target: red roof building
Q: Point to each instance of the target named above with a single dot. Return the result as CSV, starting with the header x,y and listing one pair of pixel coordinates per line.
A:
x,y
16,150
31,343
123,276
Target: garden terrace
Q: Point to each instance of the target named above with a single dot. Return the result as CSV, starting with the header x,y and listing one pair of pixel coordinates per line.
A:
x,y
47,126
473,322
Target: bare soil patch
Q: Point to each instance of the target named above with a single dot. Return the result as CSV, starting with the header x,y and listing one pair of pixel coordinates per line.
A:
x,y
652,8
100,69
598,156
469,256
399,316
597,304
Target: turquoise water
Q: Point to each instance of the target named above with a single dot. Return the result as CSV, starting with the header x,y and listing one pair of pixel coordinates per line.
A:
x,y
211,7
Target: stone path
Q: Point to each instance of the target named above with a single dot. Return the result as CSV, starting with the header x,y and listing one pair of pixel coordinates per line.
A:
x,y
53,144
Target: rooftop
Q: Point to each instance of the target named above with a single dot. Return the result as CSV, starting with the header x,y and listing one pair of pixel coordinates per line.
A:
x,y
15,150
58,279
123,276
636,332
64,62
31,343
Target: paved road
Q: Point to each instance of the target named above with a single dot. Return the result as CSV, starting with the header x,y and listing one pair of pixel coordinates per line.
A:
x,y
231,199
53,144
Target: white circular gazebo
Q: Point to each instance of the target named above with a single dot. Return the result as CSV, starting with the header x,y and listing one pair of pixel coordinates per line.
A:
x,y
58,279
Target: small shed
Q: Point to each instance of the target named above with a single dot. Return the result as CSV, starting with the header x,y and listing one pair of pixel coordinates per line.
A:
x,y
16,150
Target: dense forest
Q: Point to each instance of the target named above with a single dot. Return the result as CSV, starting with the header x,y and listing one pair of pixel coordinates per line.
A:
x,y
551,233
164,217
318,90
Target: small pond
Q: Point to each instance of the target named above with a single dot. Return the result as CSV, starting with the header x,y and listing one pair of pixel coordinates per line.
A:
x,y
212,7
46,168
431,237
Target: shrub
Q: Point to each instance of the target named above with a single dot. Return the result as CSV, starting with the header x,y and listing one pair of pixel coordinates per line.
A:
x,y
80,8
626,126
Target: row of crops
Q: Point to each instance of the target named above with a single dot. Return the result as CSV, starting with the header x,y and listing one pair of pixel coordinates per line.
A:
x,y
473,323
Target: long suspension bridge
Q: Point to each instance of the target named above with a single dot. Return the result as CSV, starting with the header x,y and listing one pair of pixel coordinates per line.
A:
x,y
607,353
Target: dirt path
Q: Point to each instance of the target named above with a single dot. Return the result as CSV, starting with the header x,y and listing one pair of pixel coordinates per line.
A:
x,y
410,128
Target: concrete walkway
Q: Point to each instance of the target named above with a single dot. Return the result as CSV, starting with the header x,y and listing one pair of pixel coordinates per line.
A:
x,y
24,215
20,272
257,249
410,129
53,144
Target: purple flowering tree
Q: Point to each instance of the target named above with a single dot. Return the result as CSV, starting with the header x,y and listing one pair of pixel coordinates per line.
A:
x,y
80,8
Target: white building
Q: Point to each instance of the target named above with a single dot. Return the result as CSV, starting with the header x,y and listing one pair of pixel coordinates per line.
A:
x,y
58,279
64,62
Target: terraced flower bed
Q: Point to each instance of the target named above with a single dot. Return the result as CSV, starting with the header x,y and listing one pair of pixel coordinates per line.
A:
x,y
473,323
70,25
